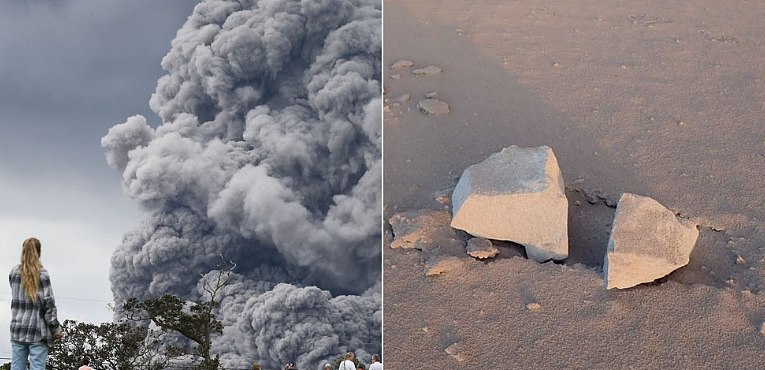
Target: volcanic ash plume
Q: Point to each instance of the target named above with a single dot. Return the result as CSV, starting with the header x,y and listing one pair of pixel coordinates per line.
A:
x,y
269,154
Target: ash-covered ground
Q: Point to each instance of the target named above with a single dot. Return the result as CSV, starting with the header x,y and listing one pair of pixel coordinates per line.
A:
x,y
663,100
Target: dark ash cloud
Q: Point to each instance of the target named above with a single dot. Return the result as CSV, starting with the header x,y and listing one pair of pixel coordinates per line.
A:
x,y
268,153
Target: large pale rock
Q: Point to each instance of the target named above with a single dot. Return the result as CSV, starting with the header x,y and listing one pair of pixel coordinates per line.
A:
x,y
516,195
647,242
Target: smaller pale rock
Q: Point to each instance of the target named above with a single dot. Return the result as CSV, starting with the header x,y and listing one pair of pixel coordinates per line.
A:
x,y
438,264
429,70
647,242
431,95
404,98
762,327
481,248
402,63
455,351
533,306
433,107
395,76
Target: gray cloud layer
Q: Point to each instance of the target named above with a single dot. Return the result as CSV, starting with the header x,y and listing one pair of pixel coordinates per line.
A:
x,y
269,153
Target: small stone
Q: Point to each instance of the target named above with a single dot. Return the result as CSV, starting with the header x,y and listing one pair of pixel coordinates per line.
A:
x,y
404,98
556,65
438,264
429,70
516,195
455,351
762,327
402,63
533,306
444,196
433,107
386,108
481,248
395,76
432,95
415,229
740,260
647,242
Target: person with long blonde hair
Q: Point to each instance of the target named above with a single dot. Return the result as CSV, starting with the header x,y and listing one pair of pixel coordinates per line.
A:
x,y
34,321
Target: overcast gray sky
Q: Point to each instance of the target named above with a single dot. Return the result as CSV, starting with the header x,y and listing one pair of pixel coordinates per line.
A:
x,y
69,70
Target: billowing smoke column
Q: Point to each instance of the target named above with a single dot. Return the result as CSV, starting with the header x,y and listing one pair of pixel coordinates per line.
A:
x,y
269,154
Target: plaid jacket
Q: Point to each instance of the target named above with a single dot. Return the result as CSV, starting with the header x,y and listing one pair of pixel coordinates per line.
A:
x,y
33,321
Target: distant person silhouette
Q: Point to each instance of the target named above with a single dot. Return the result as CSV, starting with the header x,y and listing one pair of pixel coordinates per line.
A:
x,y
376,364
34,321
85,364
347,364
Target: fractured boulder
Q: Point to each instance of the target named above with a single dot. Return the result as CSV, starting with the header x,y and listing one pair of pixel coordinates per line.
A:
x,y
517,195
647,242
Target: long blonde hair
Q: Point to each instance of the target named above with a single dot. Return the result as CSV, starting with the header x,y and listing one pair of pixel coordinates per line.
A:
x,y
30,267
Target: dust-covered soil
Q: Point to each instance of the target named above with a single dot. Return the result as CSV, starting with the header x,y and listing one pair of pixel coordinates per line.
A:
x,y
656,98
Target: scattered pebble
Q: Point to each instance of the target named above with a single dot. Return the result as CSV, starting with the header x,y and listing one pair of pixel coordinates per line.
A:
x,y
556,64
533,306
386,108
444,196
429,70
481,248
740,260
437,265
433,107
455,351
432,95
402,63
395,76
404,98
762,328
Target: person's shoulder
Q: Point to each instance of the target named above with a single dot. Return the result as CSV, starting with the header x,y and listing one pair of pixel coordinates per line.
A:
x,y
15,270
44,272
